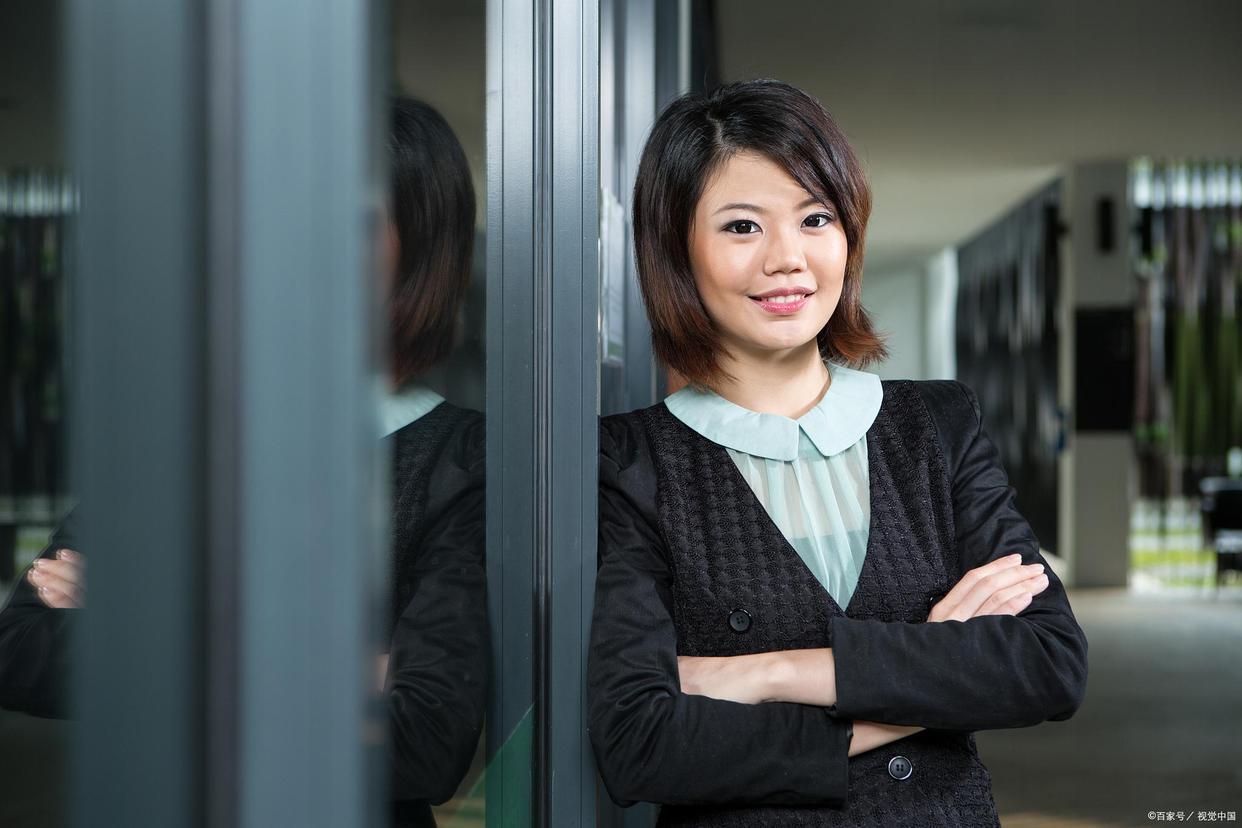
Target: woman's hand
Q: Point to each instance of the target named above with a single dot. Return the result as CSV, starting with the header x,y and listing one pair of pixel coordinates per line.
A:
x,y
751,679
1001,587
60,581
744,679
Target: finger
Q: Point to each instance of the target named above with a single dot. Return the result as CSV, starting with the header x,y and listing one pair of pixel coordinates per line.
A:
x,y
75,593
1007,599
979,589
54,598
66,570
1020,603
972,576
67,554
45,579
997,603
1016,604
978,585
1004,562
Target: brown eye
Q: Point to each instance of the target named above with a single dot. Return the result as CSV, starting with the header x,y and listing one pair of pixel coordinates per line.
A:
x,y
818,220
742,228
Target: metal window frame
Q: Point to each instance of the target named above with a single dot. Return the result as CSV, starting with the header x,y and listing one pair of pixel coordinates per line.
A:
x,y
543,262
223,427
308,465
185,379
138,338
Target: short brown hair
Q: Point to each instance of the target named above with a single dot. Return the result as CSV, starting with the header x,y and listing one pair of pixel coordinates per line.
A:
x,y
691,139
433,211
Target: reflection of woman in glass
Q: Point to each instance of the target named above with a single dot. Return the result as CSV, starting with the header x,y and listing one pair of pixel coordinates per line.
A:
x,y
436,672
813,585
437,669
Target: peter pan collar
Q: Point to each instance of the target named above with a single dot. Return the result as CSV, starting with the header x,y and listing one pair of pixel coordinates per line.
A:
x,y
837,421
398,410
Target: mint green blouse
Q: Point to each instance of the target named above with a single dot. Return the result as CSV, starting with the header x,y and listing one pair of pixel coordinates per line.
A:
x,y
810,474
397,410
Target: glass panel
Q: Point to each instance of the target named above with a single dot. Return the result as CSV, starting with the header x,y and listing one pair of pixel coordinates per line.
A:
x,y
36,206
440,656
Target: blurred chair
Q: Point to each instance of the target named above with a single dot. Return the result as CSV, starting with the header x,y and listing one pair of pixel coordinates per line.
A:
x,y
1222,521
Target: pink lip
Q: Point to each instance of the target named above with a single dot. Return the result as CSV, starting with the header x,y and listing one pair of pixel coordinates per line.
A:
x,y
785,291
782,308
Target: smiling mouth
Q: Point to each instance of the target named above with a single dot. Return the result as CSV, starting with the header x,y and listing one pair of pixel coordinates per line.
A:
x,y
787,299
782,303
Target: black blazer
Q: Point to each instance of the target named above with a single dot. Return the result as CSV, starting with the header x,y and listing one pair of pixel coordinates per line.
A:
x,y
439,645
36,642
654,743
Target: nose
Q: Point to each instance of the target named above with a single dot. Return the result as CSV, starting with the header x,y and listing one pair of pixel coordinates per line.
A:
x,y
784,253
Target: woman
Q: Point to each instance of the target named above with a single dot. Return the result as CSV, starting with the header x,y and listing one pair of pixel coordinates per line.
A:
x,y
813,585
436,672
435,675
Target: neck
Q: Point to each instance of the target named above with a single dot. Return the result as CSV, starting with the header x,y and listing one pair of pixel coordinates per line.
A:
x,y
789,383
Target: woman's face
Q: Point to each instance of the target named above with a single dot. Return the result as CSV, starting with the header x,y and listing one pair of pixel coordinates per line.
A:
x,y
767,257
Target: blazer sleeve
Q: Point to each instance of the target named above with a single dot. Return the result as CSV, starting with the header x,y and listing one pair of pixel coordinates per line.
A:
x,y
36,644
993,671
652,742
440,652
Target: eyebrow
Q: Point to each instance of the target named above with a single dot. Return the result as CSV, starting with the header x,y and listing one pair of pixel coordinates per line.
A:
x,y
755,208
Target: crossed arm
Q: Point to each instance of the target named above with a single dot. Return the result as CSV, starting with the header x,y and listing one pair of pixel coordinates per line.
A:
x,y
35,641
1002,649
1002,587
770,728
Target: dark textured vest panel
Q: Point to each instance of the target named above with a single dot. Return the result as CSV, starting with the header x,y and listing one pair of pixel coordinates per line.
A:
x,y
740,588
415,451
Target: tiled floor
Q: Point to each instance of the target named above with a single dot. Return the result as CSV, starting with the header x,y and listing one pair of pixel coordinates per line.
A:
x,y
1160,729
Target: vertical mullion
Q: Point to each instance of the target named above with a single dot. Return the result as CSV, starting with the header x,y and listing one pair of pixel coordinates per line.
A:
x,y
309,476
511,422
640,91
137,425
223,375
542,433
570,59
545,320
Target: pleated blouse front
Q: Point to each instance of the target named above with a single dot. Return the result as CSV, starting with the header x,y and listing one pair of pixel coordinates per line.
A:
x,y
810,474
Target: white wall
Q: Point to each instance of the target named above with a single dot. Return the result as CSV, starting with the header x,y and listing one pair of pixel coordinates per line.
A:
x,y
941,318
1097,469
914,309
896,303
914,306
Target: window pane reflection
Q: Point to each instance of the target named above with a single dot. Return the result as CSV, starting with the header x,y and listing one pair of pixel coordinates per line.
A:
x,y
437,670
37,202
